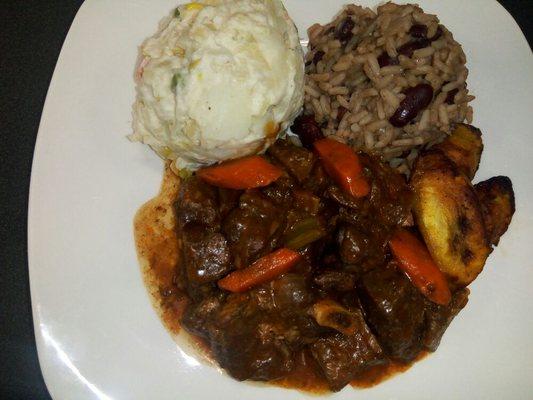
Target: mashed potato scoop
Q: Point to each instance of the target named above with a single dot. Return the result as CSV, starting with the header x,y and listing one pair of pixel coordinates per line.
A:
x,y
220,79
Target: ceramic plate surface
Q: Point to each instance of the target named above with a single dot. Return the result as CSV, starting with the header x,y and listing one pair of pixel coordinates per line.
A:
x,y
97,334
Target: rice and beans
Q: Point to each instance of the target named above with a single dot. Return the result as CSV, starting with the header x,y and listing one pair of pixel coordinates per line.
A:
x,y
389,82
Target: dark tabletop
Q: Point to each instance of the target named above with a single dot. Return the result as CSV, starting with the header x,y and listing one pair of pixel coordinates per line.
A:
x,y
31,35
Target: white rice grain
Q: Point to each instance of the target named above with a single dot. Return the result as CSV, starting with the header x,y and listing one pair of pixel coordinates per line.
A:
x,y
443,115
390,98
338,90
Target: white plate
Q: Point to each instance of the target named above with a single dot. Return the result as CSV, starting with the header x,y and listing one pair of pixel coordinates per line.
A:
x,y
97,334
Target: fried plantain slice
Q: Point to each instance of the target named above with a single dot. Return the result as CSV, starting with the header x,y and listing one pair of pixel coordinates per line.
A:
x,y
496,197
463,147
449,216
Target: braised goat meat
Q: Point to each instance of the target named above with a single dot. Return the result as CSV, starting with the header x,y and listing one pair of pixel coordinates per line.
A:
x,y
297,160
438,318
342,357
344,306
249,227
197,203
207,257
395,311
249,343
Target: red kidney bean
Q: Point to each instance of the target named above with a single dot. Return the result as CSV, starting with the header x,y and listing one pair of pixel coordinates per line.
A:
x,y
409,48
344,30
419,31
307,130
437,34
341,112
416,99
329,30
384,60
451,96
318,56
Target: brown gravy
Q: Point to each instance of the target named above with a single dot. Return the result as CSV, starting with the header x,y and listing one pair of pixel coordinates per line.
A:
x,y
158,249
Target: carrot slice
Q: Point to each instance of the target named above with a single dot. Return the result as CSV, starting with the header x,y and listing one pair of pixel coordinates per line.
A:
x,y
263,270
414,259
343,165
242,173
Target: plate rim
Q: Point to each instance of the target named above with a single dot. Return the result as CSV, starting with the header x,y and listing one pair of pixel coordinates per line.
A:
x,y
43,352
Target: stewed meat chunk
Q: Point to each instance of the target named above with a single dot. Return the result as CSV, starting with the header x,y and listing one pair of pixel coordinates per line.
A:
x,y
296,278
342,357
197,203
206,255
394,310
